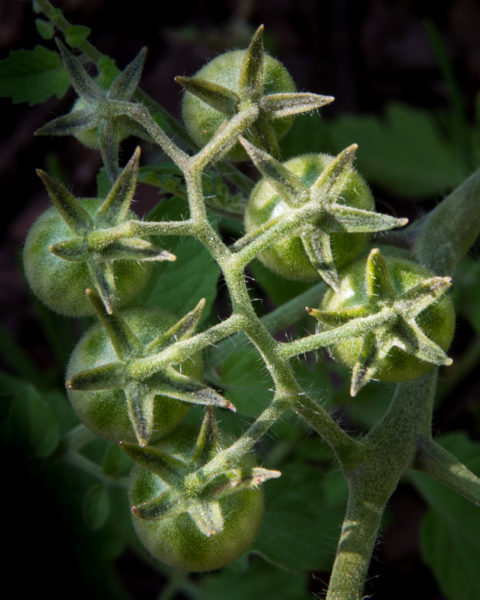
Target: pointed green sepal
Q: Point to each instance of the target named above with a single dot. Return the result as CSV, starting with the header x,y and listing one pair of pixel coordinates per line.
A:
x,y
358,220
279,106
125,343
286,184
239,480
84,85
319,251
109,144
250,84
171,383
335,318
117,204
164,505
182,329
74,122
422,347
218,97
125,84
366,365
207,444
73,213
207,516
171,470
379,284
263,134
412,302
106,377
331,181
102,277
140,402
73,250
136,249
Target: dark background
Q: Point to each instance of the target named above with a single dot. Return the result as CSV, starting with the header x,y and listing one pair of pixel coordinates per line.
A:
x,y
363,53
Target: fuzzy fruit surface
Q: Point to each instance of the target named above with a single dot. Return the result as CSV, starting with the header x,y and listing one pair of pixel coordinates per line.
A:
x,y
437,321
202,120
286,256
177,541
105,412
61,284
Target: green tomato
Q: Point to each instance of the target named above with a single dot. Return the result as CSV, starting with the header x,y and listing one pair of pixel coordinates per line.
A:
x,y
61,284
437,321
105,412
286,256
177,541
202,120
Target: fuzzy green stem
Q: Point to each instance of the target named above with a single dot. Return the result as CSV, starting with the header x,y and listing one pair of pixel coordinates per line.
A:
x,y
81,462
446,468
448,232
357,540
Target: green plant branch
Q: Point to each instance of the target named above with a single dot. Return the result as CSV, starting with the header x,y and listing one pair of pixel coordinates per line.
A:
x,y
81,462
437,462
448,232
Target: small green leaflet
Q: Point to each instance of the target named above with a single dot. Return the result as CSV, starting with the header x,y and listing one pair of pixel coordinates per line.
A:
x,y
96,507
450,532
32,76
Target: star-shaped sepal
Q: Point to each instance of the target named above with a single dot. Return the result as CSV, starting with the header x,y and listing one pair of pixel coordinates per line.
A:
x,y
327,215
97,109
390,321
250,90
95,239
203,504
142,391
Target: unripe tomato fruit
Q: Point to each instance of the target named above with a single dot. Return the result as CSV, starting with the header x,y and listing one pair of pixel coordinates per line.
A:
x,y
202,120
61,284
286,256
105,412
177,541
437,321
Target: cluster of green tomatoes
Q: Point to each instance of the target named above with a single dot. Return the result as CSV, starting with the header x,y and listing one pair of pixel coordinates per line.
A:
x,y
68,251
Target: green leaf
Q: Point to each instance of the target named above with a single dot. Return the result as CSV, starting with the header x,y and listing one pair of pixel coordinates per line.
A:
x,y
404,151
261,580
115,461
76,34
312,508
246,382
33,423
46,29
96,507
450,532
32,76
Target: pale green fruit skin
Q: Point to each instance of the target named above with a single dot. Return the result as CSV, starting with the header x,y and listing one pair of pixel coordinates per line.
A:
x,y
61,284
105,412
176,541
286,256
202,121
437,321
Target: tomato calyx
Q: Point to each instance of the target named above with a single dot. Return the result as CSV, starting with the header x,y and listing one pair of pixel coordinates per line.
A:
x,y
96,240
250,91
317,209
95,112
393,323
201,502
141,391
